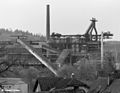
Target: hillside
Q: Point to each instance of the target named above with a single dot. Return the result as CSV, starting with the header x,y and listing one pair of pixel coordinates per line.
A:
x,y
8,35
113,46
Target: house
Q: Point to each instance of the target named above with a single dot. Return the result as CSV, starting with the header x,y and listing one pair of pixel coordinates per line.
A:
x,y
104,86
56,83
13,85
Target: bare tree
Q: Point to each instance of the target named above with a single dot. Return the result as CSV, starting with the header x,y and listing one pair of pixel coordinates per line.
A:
x,y
109,62
8,61
4,64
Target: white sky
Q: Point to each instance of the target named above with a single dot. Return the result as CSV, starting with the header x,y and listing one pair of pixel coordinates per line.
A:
x,y
67,16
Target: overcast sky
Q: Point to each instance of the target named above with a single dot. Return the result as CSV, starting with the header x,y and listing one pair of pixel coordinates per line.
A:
x,y
67,16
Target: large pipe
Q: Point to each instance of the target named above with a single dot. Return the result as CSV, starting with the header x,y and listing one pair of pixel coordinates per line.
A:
x,y
39,56
48,23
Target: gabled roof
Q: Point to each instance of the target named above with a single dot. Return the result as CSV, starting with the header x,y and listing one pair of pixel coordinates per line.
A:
x,y
69,82
47,83
11,81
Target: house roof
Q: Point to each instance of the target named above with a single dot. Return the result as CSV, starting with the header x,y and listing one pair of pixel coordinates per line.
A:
x,y
11,81
47,83
69,82
101,84
114,87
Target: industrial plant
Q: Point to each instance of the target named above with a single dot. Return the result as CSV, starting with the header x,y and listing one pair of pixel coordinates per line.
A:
x,y
58,51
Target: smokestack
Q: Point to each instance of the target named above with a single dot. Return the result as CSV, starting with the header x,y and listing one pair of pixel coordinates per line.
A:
x,y
48,23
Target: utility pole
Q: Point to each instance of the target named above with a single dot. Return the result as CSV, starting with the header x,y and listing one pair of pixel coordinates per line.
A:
x,y
102,54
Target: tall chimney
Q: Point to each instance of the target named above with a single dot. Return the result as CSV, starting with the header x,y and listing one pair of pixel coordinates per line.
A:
x,y
48,23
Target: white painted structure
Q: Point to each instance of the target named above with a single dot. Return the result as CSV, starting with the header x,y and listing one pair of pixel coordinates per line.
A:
x,y
13,85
